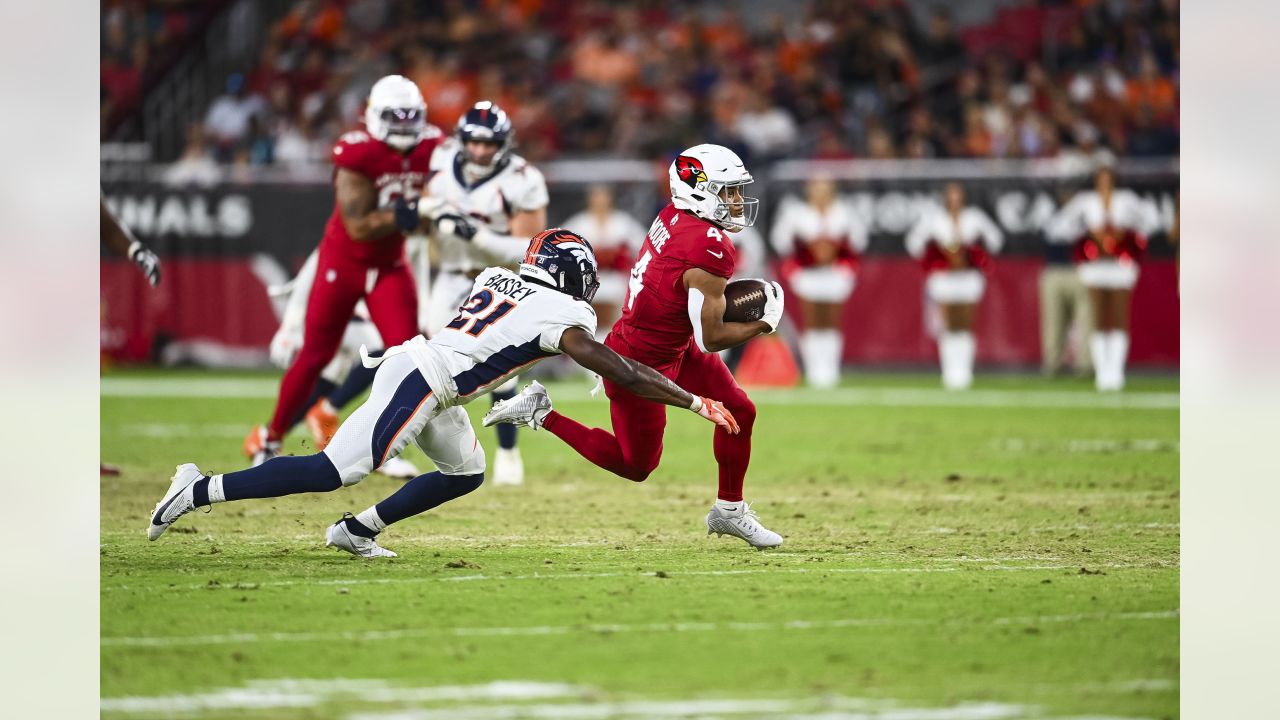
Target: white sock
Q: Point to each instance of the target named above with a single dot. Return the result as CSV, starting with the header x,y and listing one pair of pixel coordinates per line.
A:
x,y
951,355
728,505
807,354
832,347
216,493
1098,347
369,518
1119,353
966,349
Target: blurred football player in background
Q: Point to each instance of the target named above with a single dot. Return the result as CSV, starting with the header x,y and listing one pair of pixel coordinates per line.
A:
x,y
496,201
1108,227
509,322
344,379
616,238
380,174
820,239
673,321
953,244
122,242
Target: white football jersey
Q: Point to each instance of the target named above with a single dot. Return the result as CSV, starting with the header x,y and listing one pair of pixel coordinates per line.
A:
x,y
798,221
515,187
506,325
970,227
1085,212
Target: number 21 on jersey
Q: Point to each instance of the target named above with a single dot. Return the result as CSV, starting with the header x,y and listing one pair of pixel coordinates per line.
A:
x,y
470,318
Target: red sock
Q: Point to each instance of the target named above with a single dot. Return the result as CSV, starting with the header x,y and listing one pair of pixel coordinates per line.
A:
x,y
733,454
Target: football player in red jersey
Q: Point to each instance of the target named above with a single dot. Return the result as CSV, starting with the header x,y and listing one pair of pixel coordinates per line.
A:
x,y
673,321
379,175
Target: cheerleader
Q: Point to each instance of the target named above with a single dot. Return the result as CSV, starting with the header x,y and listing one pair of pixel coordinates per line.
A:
x,y
616,237
954,244
1108,227
820,239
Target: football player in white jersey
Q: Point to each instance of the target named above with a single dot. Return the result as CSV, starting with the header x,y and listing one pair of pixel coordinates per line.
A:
x,y
509,322
500,199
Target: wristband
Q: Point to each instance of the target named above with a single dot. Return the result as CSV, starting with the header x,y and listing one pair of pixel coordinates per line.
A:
x,y
406,215
697,404
134,247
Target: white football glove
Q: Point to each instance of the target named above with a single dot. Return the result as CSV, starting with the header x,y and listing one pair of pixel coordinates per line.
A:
x,y
285,345
773,305
430,208
146,260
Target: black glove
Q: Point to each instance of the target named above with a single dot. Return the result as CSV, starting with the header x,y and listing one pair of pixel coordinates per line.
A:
x,y
146,260
457,225
406,215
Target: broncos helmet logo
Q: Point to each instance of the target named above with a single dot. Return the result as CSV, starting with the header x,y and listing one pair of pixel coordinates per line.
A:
x,y
689,170
565,239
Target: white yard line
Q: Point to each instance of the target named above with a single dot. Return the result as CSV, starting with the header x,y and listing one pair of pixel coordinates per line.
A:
x,y
214,387
535,630
669,574
263,694
507,699
165,431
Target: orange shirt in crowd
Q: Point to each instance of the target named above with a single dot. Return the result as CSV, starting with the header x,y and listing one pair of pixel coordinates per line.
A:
x,y
595,62
1158,93
448,95
323,26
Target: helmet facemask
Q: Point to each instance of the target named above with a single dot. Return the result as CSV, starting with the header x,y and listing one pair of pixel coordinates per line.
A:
x,y
734,210
402,126
485,123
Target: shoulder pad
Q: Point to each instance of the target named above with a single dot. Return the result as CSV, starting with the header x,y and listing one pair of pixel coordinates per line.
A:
x,y
354,137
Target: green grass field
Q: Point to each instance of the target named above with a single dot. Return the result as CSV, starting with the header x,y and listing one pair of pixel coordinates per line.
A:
x,y
1010,552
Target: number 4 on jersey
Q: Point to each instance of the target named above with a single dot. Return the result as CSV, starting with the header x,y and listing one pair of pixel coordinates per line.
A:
x,y
636,283
473,307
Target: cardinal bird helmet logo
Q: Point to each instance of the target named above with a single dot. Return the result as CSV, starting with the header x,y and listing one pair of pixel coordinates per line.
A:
x,y
690,170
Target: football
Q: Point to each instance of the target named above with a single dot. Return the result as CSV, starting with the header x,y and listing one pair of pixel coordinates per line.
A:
x,y
744,300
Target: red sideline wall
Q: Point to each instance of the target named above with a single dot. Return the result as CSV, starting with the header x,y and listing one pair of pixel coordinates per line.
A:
x,y
884,321
221,301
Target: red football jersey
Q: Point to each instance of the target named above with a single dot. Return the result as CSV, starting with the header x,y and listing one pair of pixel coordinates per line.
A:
x,y
394,175
655,315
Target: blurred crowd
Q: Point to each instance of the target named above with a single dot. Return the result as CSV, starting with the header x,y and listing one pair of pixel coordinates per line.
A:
x,y
817,79
137,38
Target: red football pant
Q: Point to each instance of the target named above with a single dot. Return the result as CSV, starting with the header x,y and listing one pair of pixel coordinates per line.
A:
x,y
635,446
392,299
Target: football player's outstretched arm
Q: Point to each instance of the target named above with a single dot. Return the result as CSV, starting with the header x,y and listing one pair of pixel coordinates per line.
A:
x,y
638,379
511,248
363,219
713,334
123,243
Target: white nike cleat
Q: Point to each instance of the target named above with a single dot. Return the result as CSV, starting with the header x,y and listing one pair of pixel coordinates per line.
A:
x,y
528,409
338,536
742,522
508,467
175,503
398,467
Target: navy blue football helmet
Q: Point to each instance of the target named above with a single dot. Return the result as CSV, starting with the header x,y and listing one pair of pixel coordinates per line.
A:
x,y
562,259
486,122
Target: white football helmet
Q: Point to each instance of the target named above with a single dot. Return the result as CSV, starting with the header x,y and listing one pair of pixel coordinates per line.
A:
x,y
396,113
703,179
